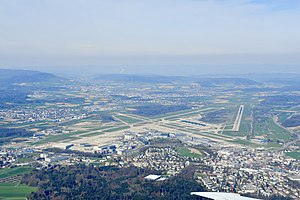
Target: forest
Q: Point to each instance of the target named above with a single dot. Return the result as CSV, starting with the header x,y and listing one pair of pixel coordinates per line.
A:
x,y
89,182
7,134
293,121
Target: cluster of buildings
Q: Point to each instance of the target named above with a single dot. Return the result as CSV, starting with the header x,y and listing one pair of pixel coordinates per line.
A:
x,y
27,115
257,171
169,94
225,169
7,158
12,157
165,159
131,142
42,158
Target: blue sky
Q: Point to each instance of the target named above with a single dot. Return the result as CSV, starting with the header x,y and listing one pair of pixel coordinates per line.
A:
x,y
229,35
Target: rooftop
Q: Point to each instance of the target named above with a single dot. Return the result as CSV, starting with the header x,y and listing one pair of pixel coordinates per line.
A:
x,y
221,196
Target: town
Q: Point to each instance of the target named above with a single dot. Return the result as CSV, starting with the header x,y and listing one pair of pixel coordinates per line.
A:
x,y
242,142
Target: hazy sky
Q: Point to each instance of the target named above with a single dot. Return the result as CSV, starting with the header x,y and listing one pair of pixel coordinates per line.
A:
x,y
212,35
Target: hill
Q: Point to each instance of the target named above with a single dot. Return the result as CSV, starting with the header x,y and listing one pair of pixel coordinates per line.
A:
x,y
210,82
89,182
16,85
10,76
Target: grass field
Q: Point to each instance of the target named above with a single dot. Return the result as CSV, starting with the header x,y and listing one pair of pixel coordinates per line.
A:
x,y
188,153
294,154
273,145
15,191
278,132
243,142
6,172
56,138
12,190
283,116
24,160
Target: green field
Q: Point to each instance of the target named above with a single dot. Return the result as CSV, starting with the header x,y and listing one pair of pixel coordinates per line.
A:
x,y
6,172
243,142
294,154
283,116
188,153
25,160
278,132
56,138
14,191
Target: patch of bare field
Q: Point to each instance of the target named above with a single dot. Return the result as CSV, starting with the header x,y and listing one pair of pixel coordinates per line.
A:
x,y
80,124
9,120
81,95
103,139
78,129
41,107
68,105
221,101
34,129
196,151
223,96
166,86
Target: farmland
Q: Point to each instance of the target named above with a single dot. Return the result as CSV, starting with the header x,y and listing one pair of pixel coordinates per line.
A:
x,y
15,191
10,187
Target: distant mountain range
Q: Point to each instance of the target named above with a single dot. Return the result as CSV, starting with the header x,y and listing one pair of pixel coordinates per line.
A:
x,y
205,82
9,76
209,82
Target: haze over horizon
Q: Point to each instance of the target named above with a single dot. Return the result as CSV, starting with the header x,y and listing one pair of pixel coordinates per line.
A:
x,y
169,37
